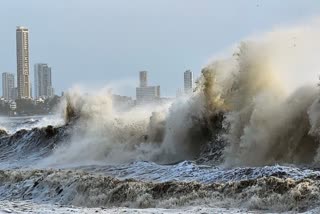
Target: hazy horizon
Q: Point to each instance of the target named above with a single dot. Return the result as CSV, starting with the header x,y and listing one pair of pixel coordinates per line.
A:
x,y
108,42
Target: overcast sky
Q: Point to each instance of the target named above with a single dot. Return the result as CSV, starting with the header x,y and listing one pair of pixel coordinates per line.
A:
x,y
102,42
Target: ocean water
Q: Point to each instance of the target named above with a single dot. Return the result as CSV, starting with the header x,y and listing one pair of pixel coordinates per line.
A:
x,y
31,183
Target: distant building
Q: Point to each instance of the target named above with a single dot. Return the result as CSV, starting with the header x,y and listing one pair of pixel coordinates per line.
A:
x,y
14,93
8,86
145,93
42,81
188,82
148,94
22,45
143,78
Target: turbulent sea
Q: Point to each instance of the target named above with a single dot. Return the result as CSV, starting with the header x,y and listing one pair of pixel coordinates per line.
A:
x,y
245,141
31,183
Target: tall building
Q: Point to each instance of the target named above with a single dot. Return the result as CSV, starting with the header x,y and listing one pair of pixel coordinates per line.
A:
x,y
14,93
148,94
42,81
143,78
8,86
22,42
188,82
145,93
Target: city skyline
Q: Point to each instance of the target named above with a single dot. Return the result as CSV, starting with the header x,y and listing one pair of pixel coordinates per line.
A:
x,y
115,40
42,81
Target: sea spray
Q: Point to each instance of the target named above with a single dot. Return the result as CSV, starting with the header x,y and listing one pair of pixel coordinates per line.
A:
x,y
257,107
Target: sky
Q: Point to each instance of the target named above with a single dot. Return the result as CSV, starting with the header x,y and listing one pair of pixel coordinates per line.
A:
x,y
104,43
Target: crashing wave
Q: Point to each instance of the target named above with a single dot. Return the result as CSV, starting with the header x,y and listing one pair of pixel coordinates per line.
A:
x,y
251,109
26,147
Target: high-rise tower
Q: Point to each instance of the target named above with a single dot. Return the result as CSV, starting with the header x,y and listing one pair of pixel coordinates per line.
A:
x,y
145,93
42,81
143,78
188,82
8,86
22,41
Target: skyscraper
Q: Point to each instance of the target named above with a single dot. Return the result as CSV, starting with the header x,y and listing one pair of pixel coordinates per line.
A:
x,y
188,82
22,41
143,78
42,81
8,86
145,93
